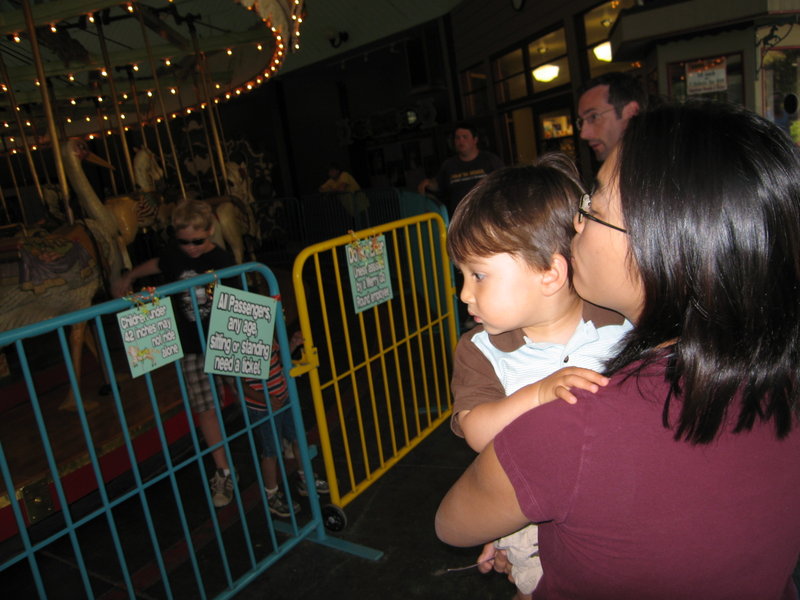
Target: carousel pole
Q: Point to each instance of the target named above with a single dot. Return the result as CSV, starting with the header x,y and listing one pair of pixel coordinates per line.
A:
x,y
48,111
14,180
202,69
214,173
114,100
5,206
208,145
105,133
161,157
37,140
15,109
160,99
192,157
159,145
136,106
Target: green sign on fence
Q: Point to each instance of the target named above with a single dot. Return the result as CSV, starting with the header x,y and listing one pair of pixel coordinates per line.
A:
x,y
240,333
150,336
369,272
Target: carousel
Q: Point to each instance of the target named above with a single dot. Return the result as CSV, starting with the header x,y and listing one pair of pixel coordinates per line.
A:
x,y
98,101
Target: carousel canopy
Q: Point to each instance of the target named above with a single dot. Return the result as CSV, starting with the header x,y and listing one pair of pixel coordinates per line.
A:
x,y
153,58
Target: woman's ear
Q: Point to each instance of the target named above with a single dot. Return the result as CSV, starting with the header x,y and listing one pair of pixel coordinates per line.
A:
x,y
556,276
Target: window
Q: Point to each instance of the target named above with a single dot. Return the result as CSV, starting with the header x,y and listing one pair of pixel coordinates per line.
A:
x,y
520,135
715,78
781,81
474,85
557,132
597,24
509,77
548,59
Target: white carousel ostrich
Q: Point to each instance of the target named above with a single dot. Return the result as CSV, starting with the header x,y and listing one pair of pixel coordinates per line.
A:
x,y
69,263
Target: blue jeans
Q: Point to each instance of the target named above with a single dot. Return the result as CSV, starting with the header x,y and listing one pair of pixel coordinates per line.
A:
x,y
284,424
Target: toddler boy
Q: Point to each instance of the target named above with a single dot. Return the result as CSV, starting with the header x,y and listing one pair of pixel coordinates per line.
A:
x,y
510,237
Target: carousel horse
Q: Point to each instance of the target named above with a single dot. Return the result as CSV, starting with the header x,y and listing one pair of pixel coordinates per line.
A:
x,y
148,173
138,212
235,220
44,275
238,222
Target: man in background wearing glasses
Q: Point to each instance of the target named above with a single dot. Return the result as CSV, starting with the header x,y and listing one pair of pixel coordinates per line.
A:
x,y
605,106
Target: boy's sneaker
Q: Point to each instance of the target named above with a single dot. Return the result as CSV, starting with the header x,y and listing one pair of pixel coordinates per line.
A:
x,y
221,488
279,506
320,484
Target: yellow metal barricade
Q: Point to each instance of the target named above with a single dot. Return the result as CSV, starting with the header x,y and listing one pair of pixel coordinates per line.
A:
x,y
380,378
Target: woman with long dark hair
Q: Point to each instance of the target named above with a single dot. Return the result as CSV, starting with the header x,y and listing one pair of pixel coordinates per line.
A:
x,y
681,478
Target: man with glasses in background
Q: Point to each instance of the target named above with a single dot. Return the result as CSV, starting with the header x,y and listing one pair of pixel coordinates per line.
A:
x,y
605,106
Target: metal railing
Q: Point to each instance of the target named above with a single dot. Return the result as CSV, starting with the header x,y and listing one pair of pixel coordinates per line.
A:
x,y
119,506
380,378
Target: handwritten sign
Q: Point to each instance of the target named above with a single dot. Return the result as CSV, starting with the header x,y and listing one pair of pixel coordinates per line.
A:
x,y
369,272
706,76
240,333
150,336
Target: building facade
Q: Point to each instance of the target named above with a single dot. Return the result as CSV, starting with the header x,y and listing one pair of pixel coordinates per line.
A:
x,y
520,63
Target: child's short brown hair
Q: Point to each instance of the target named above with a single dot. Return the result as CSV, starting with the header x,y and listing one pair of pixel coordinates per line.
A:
x,y
526,211
192,213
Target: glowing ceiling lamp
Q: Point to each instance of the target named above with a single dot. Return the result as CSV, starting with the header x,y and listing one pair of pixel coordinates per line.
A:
x,y
603,52
545,73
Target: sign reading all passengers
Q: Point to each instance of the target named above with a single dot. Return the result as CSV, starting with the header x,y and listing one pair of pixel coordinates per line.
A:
x,y
240,333
369,272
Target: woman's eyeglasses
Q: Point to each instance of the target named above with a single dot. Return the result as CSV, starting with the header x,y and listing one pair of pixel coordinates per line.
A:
x,y
583,211
195,242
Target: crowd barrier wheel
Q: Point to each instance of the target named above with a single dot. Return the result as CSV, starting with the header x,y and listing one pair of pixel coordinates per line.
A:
x,y
333,517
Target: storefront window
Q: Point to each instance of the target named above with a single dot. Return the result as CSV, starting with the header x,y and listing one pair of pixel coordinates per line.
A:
x,y
509,77
781,88
520,136
475,87
598,23
548,59
557,132
714,78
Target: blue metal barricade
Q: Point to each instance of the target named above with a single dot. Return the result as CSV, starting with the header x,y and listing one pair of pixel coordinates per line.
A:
x,y
113,500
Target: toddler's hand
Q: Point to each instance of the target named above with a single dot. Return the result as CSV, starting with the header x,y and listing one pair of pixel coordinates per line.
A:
x,y
559,384
485,559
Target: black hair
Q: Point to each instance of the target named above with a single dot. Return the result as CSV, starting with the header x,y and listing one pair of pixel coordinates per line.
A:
x,y
710,194
623,88
465,125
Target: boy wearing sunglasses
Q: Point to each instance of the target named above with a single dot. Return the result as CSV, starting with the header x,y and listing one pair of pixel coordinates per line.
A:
x,y
191,253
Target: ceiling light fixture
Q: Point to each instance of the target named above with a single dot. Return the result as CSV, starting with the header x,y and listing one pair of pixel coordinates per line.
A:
x,y
603,52
546,73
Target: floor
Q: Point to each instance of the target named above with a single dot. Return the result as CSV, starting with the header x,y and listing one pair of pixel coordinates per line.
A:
x,y
395,515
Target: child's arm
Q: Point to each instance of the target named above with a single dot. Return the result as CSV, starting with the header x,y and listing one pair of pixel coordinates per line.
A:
x,y
474,381
486,420
123,285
